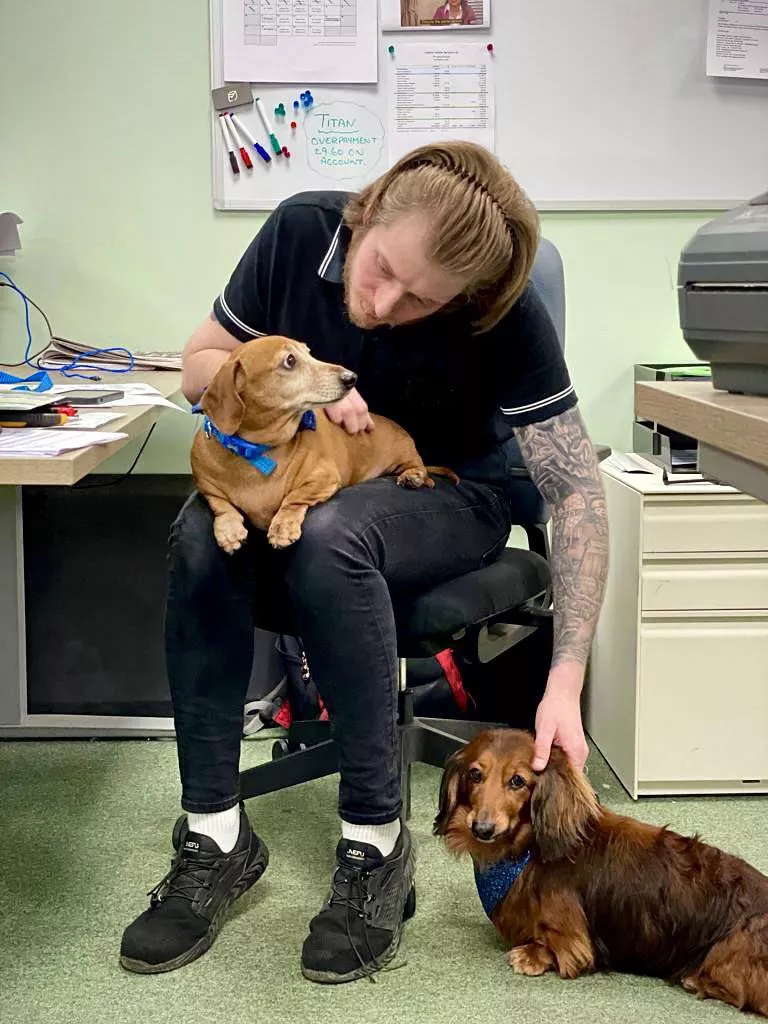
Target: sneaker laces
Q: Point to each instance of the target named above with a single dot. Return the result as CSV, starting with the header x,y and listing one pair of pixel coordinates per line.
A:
x,y
356,901
184,880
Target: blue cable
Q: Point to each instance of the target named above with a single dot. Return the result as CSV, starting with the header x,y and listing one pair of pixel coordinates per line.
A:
x,y
26,317
66,370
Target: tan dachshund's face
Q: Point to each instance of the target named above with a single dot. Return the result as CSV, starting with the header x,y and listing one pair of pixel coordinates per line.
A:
x,y
268,381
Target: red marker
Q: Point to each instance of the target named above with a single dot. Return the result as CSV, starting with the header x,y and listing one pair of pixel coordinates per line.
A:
x,y
285,153
228,144
489,47
293,125
244,154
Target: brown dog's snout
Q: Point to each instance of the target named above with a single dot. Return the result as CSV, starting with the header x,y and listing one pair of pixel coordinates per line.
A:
x,y
348,378
483,828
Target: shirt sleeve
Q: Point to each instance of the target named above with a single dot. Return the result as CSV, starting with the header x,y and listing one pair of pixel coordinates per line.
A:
x,y
537,385
242,307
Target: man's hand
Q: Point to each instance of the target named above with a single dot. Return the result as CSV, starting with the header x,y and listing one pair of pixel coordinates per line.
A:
x,y
558,718
351,412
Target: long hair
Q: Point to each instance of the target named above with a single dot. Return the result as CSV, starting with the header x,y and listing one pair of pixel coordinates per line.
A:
x,y
483,228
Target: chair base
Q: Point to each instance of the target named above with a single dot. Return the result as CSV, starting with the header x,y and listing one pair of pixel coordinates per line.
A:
x,y
422,740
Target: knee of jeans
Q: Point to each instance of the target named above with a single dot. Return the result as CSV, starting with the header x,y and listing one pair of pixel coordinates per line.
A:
x,y
191,542
329,542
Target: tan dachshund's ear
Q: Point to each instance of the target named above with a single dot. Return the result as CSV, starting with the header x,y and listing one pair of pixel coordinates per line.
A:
x,y
222,399
563,807
449,792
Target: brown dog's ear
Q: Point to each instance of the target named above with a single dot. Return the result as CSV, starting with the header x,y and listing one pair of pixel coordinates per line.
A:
x,y
222,399
449,792
563,807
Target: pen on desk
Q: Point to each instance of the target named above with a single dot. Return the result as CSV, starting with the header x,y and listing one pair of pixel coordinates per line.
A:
x,y
228,145
246,158
276,147
244,131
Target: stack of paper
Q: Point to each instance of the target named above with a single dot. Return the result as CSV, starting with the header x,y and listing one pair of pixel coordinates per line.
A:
x,y
62,351
135,394
36,442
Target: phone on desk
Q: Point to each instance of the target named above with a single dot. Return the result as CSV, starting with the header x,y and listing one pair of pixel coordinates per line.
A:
x,y
91,397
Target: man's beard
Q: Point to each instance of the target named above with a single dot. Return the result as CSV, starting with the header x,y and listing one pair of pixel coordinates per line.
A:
x,y
354,245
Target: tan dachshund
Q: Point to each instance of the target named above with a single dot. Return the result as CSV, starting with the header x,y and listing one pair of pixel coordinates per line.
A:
x,y
256,404
574,888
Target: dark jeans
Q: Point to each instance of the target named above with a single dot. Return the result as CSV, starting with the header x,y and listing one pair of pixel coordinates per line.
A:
x,y
367,541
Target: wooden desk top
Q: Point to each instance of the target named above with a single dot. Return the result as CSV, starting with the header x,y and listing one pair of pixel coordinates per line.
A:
x,y
736,424
70,467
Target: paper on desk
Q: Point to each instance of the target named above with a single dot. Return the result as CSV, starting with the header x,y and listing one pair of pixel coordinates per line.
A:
x,y
89,419
43,441
135,394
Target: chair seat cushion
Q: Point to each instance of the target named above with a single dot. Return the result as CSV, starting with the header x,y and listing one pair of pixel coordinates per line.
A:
x,y
516,577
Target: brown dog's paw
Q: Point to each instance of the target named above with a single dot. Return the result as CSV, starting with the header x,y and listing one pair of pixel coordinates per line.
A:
x,y
415,478
284,530
532,959
230,531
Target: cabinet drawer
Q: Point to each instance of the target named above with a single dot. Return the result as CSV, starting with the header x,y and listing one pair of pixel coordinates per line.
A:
x,y
703,703
707,524
725,584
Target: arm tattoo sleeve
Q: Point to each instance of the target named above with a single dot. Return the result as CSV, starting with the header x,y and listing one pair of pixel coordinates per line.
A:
x,y
561,460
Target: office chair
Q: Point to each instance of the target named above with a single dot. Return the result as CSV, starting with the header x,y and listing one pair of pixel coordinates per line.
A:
x,y
513,590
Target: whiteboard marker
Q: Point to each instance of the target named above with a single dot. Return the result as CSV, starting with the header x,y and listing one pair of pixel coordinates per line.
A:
x,y
244,154
228,145
276,148
256,145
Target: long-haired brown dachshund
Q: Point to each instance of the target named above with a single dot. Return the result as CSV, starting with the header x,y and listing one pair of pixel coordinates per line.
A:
x,y
262,452
575,888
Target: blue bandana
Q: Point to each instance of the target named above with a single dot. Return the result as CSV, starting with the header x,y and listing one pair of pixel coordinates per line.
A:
x,y
254,453
494,882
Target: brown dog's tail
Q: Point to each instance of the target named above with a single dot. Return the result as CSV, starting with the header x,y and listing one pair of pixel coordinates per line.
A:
x,y
442,471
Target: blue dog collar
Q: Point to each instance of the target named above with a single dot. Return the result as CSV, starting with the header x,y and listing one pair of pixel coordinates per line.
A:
x,y
253,453
494,882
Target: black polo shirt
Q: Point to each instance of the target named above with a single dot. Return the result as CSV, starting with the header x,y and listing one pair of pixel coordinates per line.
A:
x,y
457,393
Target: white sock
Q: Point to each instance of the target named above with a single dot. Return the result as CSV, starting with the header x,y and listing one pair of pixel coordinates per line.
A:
x,y
221,826
383,837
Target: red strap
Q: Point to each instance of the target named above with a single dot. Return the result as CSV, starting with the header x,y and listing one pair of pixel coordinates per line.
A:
x,y
452,674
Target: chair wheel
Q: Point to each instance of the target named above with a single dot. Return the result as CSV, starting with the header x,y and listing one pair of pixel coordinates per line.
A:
x,y
410,904
279,749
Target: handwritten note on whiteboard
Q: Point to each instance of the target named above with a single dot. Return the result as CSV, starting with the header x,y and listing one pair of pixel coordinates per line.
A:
x,y
438,93
343,140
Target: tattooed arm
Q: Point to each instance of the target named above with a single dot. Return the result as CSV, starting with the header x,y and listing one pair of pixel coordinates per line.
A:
x,y
562,463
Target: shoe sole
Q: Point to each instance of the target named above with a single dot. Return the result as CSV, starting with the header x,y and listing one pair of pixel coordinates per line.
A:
x,y
331,978
204,943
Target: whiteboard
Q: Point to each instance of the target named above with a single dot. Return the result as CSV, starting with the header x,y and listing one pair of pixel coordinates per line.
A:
x,y
600,104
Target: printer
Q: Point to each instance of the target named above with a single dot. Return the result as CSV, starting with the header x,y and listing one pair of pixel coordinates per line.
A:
x,y
723,297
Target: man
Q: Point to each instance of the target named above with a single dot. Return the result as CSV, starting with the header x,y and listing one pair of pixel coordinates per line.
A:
x,y
420,285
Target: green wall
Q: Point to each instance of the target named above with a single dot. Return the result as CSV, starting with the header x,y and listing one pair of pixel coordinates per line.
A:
x,y
105,147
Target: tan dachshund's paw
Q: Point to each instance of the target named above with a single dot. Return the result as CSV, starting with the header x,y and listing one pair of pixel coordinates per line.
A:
x,y
230,531
415,478
532,959
284,530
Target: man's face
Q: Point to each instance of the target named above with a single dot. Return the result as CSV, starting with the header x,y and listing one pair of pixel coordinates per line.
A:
x,y
388,279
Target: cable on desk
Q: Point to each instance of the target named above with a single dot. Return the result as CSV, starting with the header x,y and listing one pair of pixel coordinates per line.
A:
x,y
84,485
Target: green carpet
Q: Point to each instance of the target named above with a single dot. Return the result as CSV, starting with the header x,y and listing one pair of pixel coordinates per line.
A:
x,y
86,832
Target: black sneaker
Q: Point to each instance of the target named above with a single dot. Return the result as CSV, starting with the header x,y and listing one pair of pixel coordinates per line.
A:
x,y
358,930
187,908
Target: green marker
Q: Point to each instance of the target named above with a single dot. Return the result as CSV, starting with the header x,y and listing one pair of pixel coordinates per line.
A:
x,y
277,148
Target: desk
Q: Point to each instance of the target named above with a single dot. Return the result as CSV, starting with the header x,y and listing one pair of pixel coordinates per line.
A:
x,y
732,430
63,470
